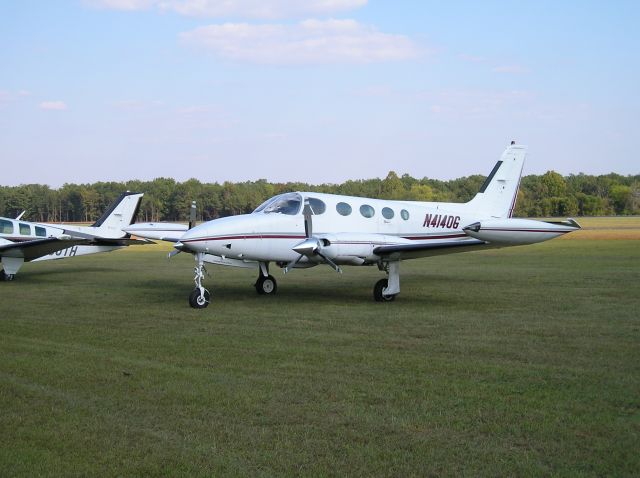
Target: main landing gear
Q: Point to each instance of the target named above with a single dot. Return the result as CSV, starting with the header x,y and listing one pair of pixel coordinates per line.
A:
x,y
6,277
386,290
265,284
200,297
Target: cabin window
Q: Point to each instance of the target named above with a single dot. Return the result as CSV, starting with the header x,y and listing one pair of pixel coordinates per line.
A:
x,y
404,214
343,208
41,231
284,204
317,206
367,211
387,213
6,227
25,229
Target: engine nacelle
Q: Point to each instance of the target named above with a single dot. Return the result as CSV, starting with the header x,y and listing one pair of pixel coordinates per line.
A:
x,y
354,248
518,231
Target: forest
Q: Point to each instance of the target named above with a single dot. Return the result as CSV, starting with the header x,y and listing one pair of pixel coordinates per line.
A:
x,y
165,199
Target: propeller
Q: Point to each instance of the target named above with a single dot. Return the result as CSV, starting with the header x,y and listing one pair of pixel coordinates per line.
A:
x,y
311,246
192,215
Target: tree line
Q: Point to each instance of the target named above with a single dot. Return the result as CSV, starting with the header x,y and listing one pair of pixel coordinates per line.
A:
x,y
165,199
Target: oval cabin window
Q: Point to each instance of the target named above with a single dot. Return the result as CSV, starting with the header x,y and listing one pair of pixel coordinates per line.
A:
x,y
367,211
387,213
343,208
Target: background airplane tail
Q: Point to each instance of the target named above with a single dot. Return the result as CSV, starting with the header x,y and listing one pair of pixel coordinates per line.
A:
x,y
120,214
497,196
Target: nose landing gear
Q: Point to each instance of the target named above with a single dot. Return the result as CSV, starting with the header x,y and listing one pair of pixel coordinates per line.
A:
x,y
199,297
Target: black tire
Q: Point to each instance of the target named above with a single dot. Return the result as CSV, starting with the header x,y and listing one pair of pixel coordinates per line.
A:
x,y
6,277
196,301
266,285
377,292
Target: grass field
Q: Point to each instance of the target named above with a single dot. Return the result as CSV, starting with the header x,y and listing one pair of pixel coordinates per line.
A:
x,y
514,362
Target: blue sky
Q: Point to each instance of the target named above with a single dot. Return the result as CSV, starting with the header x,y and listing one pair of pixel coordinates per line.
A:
x,y
316,90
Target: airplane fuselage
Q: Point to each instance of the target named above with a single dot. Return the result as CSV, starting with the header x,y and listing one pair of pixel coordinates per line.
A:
x,y
352,227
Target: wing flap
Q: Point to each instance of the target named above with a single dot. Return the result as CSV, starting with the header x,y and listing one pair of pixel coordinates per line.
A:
x,y
414,251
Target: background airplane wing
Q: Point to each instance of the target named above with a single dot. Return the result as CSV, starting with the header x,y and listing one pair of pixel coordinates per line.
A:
x,y
92,240
30,250
414,251
163,231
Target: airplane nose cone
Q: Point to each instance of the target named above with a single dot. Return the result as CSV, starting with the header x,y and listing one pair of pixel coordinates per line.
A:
x,y
192,241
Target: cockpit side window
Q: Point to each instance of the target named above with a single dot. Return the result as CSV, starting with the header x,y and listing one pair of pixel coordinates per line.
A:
x,y
284,204
6,227
317,206
25,229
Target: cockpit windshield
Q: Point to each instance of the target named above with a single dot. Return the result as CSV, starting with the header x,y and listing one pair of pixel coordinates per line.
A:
x,y
288,203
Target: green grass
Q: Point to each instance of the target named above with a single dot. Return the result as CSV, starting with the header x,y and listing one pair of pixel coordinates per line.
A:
x,y
521,361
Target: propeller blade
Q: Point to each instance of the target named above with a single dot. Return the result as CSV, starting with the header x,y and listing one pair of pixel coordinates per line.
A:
x,y
192,215
332,264
173,253
292,264
308,223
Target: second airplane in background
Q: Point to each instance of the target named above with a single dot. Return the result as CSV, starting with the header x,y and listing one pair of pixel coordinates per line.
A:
x,y
23,241
304,229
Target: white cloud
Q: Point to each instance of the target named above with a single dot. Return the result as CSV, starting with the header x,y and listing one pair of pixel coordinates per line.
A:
x,y
472,58
478,104
238,8
129,5
511,69
308,42
53,105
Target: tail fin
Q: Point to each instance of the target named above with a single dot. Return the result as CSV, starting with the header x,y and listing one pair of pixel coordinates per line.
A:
x,y
497,196
119,215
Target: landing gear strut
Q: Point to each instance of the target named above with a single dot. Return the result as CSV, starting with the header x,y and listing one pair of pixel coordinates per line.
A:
x,y
266,283
386,290
199,297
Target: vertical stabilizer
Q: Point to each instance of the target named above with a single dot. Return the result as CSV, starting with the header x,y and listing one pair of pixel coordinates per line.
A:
x,y
120,214
497,196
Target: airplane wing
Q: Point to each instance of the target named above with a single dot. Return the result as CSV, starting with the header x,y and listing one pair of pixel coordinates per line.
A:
x,y
92,240
414,251
32,249
29,250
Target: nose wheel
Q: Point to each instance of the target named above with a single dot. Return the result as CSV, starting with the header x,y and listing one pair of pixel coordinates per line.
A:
x,y
199,297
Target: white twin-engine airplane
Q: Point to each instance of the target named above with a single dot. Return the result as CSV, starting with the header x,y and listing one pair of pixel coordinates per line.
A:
x,y
23,241
304,229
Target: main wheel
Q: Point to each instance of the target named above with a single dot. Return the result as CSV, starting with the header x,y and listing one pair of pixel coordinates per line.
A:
x,y
6,277
266,285
197,301
377,291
